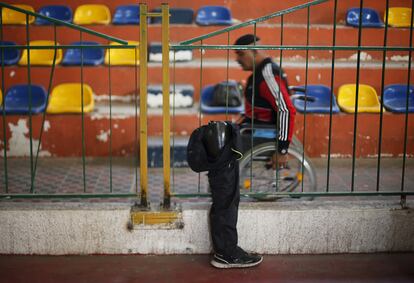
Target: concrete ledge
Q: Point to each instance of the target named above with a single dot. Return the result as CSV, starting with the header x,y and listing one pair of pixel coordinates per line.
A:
x,y
291,227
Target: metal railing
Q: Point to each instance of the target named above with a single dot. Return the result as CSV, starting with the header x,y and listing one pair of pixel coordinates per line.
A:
x,y
198,44
191,45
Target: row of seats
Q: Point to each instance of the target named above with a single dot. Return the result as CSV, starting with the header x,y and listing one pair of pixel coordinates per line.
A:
x,y
67,98
91,56
318,99
207,15
397,17
124,15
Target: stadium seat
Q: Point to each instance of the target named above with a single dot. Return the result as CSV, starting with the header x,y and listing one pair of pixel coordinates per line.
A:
x,y
92,14
60,12
11,56
155,54
399,17
67,98
318,100
177,16
126,15
17,99
370,18
213,15
395,98
91,56
12,17
206,101
41,56
122,57
1,97
367,99
184,94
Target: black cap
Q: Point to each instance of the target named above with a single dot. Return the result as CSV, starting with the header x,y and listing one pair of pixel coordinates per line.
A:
x,y
246,39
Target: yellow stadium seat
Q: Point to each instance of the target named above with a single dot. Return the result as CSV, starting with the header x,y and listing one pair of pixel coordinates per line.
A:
x,y
66,98
12,17
92,14
367,99
123,56
1,97
41,56
399,17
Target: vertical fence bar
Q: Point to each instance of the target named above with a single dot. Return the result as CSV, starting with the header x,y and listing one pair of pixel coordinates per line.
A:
x,y
6,180
384,56
110,120
29,81
136,156
356,95
278,100
227,77
52,71
253,101
403,197
199,106
306,95
331,96
143,103
83,119
166,103
173,126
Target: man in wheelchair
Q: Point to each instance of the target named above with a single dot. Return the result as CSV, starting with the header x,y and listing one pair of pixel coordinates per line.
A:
x,y
267,98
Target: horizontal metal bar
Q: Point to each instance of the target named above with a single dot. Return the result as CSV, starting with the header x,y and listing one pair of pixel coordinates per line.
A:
x,y
68,46
154,14
290,47
65,196
306,194
251,22
63,23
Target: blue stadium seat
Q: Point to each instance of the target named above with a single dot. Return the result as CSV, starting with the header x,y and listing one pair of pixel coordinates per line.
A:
x,y
318,100
91,56
370,18
213,15
126,15
207,95
16,99
60,12
11,56
395,98
177,16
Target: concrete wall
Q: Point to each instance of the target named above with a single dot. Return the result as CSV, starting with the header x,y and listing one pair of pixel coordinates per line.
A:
x,y
270,228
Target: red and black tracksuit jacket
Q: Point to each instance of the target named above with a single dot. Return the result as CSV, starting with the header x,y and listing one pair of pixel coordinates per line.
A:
x,y
271,95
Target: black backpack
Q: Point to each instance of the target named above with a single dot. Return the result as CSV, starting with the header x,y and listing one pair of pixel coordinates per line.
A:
x,y
234,97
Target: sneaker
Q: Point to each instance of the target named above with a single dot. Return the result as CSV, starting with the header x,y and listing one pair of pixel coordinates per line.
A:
x,y
241,260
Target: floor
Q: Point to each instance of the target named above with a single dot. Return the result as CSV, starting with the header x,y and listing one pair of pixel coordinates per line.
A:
x,y
397,267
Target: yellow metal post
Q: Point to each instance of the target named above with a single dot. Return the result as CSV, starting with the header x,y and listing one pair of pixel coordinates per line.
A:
x,y
143,104
166,102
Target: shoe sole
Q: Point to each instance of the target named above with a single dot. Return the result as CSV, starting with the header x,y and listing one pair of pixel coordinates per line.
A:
x,y
229,265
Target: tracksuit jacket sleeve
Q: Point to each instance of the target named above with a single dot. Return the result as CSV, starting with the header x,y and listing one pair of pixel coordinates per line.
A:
x,y
274,89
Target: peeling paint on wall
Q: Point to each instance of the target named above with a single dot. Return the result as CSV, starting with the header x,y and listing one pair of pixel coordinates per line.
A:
x,y
399,58
103,136
19,142
364,56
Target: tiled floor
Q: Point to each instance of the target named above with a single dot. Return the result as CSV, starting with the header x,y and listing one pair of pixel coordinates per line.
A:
x,y
65,176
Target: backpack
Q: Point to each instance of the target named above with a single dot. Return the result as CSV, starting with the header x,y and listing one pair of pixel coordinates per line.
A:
x,y
220,96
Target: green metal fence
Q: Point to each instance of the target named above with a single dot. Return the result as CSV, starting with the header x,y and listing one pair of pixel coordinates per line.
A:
x,y
198,44
56,26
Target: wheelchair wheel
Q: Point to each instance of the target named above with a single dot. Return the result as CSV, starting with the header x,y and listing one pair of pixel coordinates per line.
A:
x,y
262,183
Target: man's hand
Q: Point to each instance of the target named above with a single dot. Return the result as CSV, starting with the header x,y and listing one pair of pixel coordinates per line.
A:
x,y
278,161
